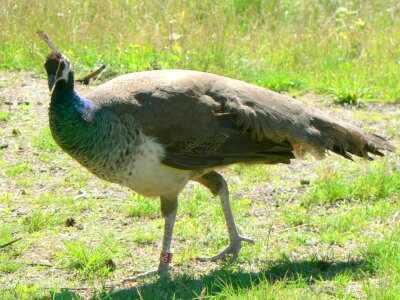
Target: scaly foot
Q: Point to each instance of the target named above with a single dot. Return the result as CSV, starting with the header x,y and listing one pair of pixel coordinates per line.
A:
x,y
233,249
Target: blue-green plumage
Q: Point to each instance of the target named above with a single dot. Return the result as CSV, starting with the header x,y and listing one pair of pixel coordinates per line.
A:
x,y
68,116
97,137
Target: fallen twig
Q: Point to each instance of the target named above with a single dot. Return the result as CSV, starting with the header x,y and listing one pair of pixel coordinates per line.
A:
x,y
77,288
39,265
85,80
394,217
82,288
292,196
10,243
293,227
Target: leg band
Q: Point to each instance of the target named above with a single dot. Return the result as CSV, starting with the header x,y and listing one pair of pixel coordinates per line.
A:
x,y
165,257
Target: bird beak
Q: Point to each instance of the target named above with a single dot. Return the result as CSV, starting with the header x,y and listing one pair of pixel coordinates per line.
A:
x,y
51,80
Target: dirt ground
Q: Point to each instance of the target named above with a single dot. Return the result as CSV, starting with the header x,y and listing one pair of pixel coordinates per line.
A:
x,y
26,95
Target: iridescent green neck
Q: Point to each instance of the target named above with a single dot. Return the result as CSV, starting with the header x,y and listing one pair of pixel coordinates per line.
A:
x,y
69,115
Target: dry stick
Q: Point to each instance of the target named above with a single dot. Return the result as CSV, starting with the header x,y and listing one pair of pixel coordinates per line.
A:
x,y
10,243
76,288
83,288
39,265
393,219
293,227
46,38
269,235
97,78
85,80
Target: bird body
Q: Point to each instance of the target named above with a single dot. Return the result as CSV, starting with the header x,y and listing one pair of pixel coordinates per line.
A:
x,y
154,131
110,145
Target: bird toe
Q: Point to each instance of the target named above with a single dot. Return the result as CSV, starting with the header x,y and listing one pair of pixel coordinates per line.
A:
x,y
232,249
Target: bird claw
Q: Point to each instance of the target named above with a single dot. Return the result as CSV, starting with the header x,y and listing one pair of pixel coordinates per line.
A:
x,y
233,249
162,271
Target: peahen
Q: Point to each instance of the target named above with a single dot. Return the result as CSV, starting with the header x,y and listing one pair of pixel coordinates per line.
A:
x,y
154,131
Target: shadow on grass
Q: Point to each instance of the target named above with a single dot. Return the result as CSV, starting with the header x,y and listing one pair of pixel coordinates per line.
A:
x,y
186,287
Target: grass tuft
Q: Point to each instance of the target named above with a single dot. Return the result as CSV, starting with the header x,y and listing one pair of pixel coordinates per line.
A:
x,y
384,256
44,140
139,206
370,183
39,220
89,261
4,116
19,169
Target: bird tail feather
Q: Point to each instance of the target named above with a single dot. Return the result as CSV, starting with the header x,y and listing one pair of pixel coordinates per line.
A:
x,y
342,138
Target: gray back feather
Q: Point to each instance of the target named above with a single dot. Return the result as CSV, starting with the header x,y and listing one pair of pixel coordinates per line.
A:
x,y
182,108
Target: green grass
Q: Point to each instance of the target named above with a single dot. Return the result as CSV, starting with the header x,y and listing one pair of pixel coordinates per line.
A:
x,y
89,261
141,206
376,181
4,116
383,258
336,238
44,141
18,169
5,234
348,50
9,264
38,220
345,250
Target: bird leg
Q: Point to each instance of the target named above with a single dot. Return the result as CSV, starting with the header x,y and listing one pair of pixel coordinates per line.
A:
x,y
168,208
218,186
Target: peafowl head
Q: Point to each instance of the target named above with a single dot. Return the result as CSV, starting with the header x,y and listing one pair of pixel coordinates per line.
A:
x,y
58,68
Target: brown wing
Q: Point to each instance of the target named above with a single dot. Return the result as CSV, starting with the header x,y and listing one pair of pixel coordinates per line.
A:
x,y
205,120
196,135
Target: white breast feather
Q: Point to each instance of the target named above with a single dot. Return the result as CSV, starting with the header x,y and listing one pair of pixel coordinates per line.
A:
x,y
149,177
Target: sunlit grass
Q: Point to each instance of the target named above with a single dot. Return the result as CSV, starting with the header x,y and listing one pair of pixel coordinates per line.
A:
x,y
335,238
372,182
346,49
38,220
4,116
43,140
138,206
90,261
18,169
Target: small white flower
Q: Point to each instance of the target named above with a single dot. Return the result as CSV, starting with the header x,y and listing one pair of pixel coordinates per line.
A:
x,y
174,36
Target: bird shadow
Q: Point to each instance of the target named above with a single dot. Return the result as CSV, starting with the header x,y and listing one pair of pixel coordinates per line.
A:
x,y
213,283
